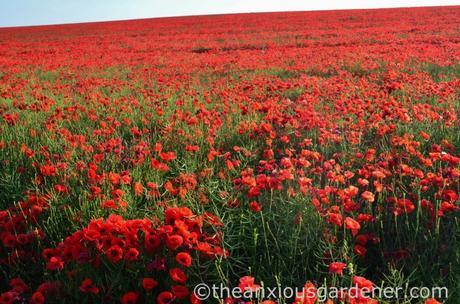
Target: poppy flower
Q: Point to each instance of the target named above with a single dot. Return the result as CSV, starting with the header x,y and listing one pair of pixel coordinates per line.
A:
x,y
48,170
193,299
335,218
180,292
403,206
87,286
368,196
352,225
255,207
184,259
248,283
37,298
149,283
60,188
165,297
362,282
178,275
337,268
114,253
55,263
174,241
110,204
9,297
167,156
360,250
138,188
129,298
18,285
132,254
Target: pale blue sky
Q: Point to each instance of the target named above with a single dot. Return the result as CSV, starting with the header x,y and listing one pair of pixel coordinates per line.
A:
x,y
36,12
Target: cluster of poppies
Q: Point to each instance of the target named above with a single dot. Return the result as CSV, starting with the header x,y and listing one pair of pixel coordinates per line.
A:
x,y
163,253
18,233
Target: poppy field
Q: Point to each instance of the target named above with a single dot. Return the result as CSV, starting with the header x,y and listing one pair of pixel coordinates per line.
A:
x,y
141,158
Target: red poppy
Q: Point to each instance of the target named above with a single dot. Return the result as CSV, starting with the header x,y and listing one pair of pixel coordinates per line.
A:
x,y
368,196
194,300
362,282
132,254
248,283
87,286
149,283
352,225
337,268
178,275
184,259
60,188
255,207
55,263
360,250
8,297
37,298
167,156
174,241
18,285
138,188
114,253
180,292
48,170
129,298
335,219
165,297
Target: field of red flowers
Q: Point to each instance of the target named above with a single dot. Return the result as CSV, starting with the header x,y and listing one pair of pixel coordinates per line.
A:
x,y
141,158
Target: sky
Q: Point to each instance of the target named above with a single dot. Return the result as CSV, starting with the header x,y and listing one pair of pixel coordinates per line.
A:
x,y
40,12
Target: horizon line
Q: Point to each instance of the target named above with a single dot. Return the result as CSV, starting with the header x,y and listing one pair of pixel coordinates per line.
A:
x,y
220,14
